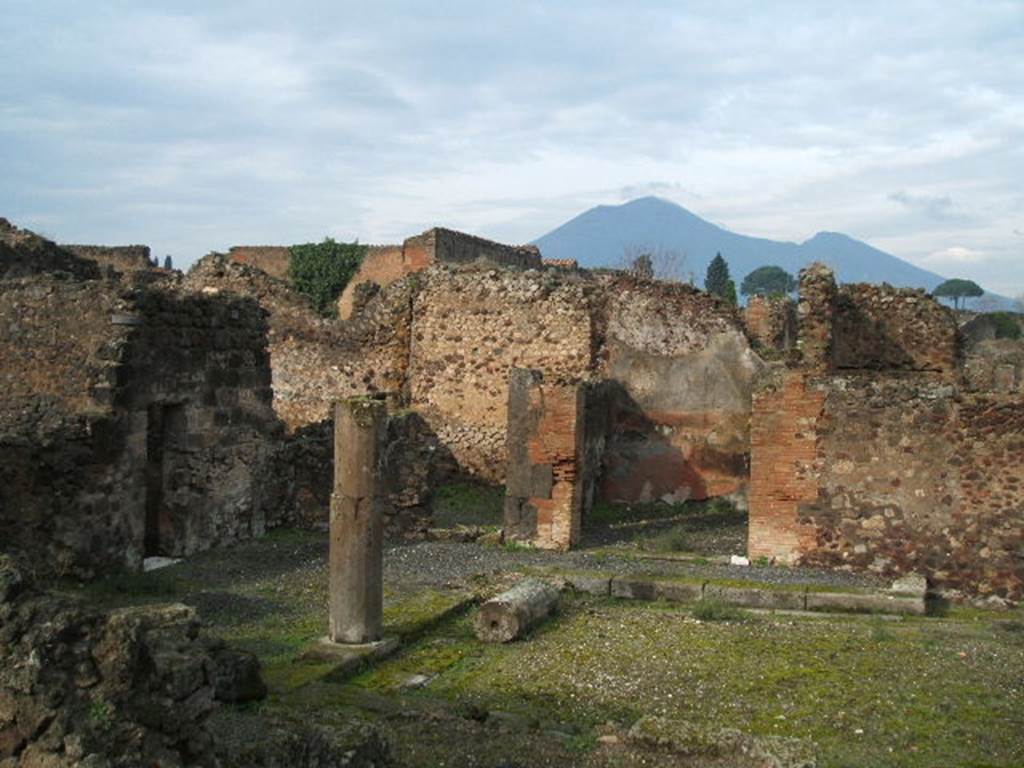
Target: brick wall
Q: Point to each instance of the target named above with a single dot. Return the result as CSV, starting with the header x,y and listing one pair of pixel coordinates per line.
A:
x,y
385,264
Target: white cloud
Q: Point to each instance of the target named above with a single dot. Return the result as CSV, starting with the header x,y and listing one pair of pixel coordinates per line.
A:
x,y
901,124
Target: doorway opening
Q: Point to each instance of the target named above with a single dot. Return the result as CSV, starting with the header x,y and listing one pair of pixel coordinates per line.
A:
x,y
165,432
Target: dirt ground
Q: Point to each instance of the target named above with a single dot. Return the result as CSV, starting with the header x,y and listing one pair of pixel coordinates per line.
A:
x,y
607,682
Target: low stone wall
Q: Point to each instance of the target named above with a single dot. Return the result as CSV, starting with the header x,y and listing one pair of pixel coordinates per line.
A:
x,y
891,475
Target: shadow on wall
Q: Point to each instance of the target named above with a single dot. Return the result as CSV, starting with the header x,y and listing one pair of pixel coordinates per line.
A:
x,y
645,460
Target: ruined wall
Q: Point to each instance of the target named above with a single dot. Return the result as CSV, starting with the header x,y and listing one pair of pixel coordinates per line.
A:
x,y
383,265
272,259
884,328
891,475
771,321
24,253
122,258
680,423
386,264
92,371
996,365
470,327
815,311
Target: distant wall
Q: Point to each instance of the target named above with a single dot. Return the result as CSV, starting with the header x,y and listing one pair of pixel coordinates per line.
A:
x,y
771,321
385,264
272,259
24,253
884,328
123,258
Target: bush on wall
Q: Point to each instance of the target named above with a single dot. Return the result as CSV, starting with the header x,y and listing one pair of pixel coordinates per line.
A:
x,y
322,270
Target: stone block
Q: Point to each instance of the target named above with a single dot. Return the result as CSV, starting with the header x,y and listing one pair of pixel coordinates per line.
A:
x,y
634,589
679,591
592,585
865,603
756,597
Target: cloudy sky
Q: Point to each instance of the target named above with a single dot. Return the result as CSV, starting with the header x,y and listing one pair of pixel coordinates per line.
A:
x,y
191,127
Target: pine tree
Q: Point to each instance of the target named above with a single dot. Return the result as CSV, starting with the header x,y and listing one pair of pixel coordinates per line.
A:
x,y
717,279
168,264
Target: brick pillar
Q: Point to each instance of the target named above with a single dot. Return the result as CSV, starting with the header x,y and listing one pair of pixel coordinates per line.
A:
x,y
815,313
783,449
356,556
544,483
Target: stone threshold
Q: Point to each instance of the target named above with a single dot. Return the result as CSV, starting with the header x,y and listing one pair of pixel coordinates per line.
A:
x,y
792,597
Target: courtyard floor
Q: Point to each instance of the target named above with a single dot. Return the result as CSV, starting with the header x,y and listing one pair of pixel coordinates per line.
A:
x,y
609,682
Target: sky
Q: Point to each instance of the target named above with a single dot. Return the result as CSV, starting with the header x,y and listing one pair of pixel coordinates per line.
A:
x,y
194,126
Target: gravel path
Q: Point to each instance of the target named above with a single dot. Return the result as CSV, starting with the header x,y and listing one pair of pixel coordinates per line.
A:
x,y
443,562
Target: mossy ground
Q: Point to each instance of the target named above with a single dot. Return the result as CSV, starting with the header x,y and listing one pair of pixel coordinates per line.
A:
x,y
942,690
713,527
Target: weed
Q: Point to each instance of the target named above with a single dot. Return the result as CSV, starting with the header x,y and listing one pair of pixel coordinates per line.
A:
x,y
711,609
101,714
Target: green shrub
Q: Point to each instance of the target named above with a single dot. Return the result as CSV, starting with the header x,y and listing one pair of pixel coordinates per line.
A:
x,y
1006,325
322,270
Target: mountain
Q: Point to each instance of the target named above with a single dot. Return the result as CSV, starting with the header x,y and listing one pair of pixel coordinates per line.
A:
x,y
600,237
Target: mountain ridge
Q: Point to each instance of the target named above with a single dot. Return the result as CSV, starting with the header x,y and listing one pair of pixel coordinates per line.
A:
x,y
602,236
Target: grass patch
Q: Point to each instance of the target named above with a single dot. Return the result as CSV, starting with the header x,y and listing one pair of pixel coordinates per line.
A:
x,y
470,504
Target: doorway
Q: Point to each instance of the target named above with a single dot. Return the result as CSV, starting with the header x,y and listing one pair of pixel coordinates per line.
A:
x,y
165,434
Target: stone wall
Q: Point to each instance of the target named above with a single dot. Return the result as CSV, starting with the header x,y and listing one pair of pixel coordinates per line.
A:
x,y
382,265
884,328
121,258
470,327
133,420
875,327
771,321
272,259
892,475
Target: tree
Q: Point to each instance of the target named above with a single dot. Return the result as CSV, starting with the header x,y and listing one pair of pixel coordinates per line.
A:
x,y
768,281
643,267
717,278
958,289
322,270
168,264
665,263
730,294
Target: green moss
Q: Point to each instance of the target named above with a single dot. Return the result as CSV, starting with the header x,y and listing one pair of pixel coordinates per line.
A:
x,y
473,504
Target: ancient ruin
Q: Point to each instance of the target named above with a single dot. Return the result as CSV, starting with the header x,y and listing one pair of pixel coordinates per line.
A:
x,y
866,451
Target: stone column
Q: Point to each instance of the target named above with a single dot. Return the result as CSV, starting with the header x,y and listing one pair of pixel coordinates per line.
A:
x,y
356,561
